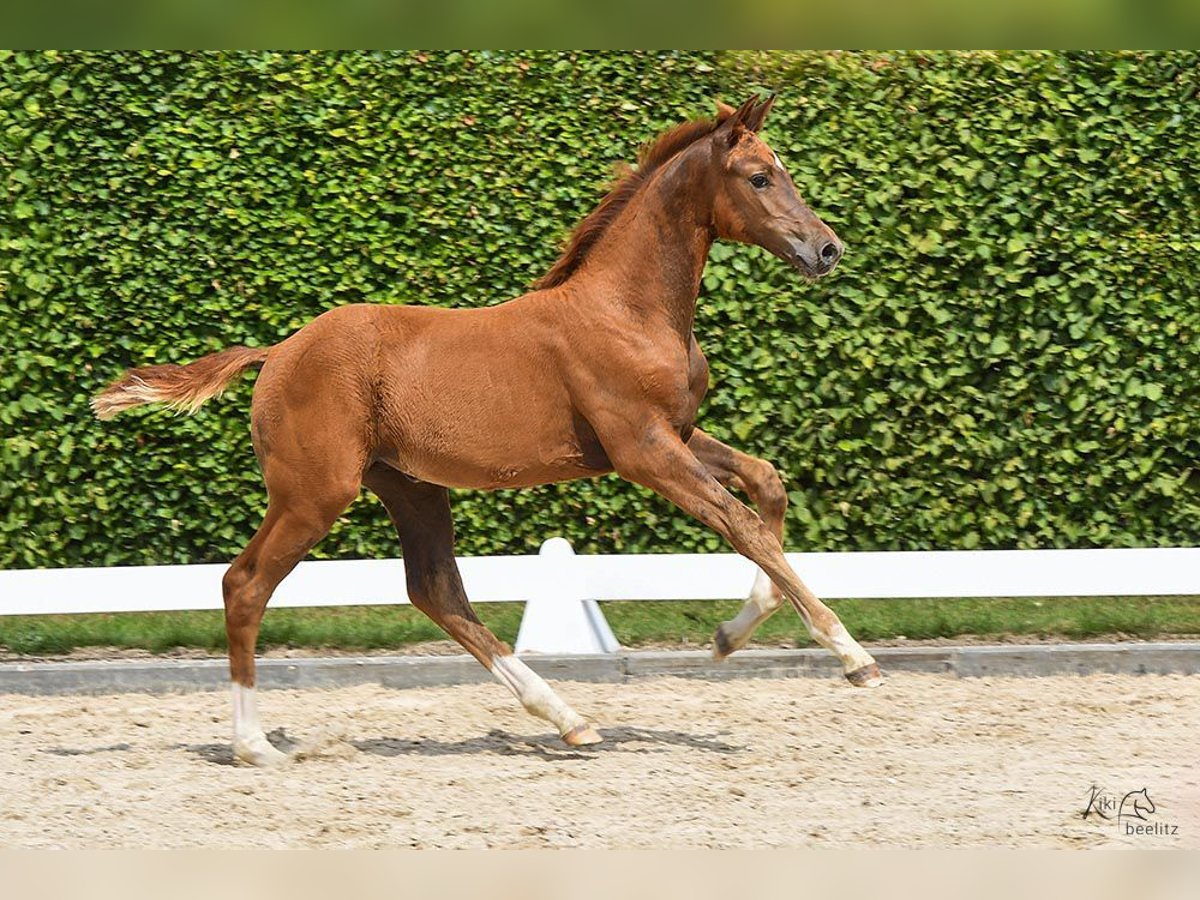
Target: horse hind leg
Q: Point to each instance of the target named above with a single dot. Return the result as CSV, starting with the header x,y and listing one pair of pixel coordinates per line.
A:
x,y
760,481
289,530
421,514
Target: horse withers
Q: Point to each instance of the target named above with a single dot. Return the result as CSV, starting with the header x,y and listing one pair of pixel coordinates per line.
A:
x,y
596,370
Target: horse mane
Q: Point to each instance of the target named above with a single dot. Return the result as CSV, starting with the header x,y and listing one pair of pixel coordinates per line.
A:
x,y
652,157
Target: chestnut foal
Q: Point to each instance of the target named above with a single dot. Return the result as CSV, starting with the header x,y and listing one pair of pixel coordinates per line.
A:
x,y
594,371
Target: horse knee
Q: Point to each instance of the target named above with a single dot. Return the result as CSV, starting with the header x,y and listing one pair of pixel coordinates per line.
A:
x,y
243,596
236,577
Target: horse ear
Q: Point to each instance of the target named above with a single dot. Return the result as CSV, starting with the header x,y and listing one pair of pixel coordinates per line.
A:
x,y
736,123
724,111
742,112
754,120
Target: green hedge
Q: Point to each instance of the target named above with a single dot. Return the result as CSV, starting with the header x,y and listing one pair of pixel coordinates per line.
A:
x,y
1005,358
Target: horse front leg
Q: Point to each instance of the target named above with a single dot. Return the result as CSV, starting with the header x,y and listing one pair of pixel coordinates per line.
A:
x,y
760,481
654,456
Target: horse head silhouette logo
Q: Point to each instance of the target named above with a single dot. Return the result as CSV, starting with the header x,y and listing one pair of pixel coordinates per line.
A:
x,y
1136,805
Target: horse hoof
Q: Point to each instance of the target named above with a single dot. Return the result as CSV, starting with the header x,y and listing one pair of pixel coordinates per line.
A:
x,y
722,646
582,736
868,676
259,752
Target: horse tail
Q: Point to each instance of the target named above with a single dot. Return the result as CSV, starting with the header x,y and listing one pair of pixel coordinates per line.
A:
x,y
182,388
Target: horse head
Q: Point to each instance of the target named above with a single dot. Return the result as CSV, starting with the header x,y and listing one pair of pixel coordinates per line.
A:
x,y
755,200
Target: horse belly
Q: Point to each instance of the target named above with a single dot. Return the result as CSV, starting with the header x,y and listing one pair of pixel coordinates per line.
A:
x,y
461,436
489,460
490,478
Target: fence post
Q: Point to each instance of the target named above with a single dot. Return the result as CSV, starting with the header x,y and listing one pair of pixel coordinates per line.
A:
x,y
559,615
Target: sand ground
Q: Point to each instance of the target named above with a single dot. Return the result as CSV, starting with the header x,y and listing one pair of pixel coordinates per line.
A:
x,y
924,760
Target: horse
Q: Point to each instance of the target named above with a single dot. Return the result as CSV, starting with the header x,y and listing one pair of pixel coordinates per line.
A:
x,y
596,370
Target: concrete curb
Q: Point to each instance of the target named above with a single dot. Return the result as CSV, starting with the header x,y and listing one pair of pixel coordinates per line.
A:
x,y
172,676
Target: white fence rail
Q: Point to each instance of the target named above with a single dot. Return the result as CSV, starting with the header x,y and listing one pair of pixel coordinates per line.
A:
x,y
560,588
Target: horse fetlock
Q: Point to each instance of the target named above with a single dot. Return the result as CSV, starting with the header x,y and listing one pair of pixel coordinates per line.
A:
x,y
537,697
735,634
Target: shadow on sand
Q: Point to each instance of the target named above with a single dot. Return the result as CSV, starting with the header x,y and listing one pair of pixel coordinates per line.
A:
x,y
625,739
70,751
621,739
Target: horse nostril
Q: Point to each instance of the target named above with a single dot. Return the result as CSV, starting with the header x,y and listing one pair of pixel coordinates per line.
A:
x,y
830,252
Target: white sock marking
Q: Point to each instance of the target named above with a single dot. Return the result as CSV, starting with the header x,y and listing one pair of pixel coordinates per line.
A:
x,y
249,741
763,601
848,650
758,606
762,593
535,695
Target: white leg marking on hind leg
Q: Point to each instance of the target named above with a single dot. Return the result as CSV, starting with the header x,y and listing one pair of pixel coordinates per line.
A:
x,y
763,601
763,593
535,695
249,742
758,606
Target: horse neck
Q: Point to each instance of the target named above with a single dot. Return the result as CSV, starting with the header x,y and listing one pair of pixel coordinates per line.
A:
x,y
650,260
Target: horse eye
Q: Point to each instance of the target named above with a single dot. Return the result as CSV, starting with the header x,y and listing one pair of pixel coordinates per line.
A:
x,y
760,180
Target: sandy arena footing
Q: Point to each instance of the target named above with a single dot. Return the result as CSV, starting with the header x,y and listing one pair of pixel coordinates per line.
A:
x,y
751,762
